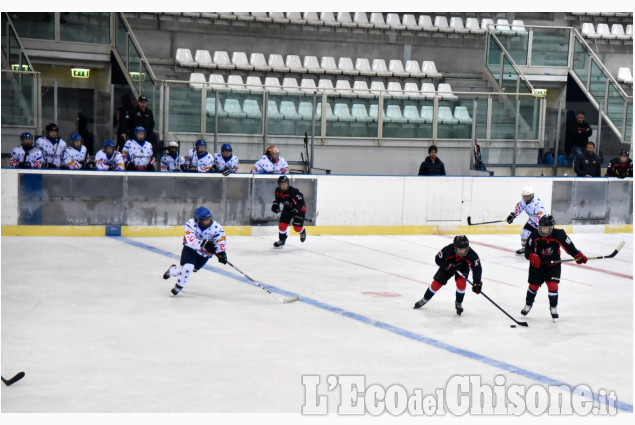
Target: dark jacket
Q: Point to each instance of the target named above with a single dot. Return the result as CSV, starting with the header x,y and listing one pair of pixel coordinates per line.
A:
x,y
428,168
577,135
587,165
620,169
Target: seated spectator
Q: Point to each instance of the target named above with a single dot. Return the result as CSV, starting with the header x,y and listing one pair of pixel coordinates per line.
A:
x,y
270,163
621,167
588,164
432,165
75,155
26,155
137,152
226,162
199,160
172,161
108,158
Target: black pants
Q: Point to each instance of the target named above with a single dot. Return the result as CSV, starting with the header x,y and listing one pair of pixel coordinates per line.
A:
x,y
190,256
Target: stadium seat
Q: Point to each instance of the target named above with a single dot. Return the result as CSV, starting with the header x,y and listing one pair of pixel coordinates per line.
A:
x,y
411,90
227,15
363,66
329,19
393,21
396,67
217,81
380,68
629,30
518,26
236,83
393,114
261,16
328,65
209,15
604,31
251,108
411,113
377,88
329,111
277,63
305,109
296,18
239,59
307,85
361,89
487,23
294,64
472,25
430,69
359,112
312,65
361,20
278,17
624,75
445,91
342,113
428,90
192,14
373,111
184,58
588,30
410,22
244,16
345,65
413,68
427,113
456,24
197,80
377,19
618,31
204,59
462,115
210,107
344,18
326,85
221,59
257,60
312,18
394,90
233,109
425,22
290,85
445,116
503,27
343,88
287,109
272,110
441,23
254,84
272,85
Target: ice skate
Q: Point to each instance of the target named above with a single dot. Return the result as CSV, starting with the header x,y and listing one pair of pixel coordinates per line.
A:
x,y
167,275
459,308
177,288
279,243
554,313
420,303
525,309
303,235
520,251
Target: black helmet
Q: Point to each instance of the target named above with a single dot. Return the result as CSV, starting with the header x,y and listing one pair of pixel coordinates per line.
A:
x,y
461,245
545,225
52,127
283,179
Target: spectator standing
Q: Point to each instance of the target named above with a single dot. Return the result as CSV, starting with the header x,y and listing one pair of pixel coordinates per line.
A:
x,y
87,137
578,133
588,164
270,163
621,167
108,159
142,116
226,162
172,161
52,147
432,165
26,155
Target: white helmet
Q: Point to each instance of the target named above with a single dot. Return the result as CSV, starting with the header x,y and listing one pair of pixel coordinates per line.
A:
x,y
173,144
528,191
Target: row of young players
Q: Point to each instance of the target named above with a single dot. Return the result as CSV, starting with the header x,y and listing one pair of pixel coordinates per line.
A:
x,y
205,237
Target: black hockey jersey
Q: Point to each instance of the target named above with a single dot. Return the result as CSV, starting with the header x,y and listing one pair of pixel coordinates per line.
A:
x,y
292,199
548,248
447,256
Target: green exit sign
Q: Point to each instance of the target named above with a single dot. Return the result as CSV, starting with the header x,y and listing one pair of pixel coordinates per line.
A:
x,y
540,92
80,72
16,67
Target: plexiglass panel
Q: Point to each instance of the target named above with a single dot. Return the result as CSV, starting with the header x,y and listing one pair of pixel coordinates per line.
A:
x,y
73,27
550,47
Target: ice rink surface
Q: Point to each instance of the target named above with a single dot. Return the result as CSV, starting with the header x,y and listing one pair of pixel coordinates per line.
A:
x,y
95,328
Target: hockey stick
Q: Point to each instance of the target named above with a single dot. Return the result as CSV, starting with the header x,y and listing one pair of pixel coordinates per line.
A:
x,y
13,380
611,255
311,220
469,221
525,324
282,300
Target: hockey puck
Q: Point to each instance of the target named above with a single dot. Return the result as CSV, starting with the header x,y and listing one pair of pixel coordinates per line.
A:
x,y
512,326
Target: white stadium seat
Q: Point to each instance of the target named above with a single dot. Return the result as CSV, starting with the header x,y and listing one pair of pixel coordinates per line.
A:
x,y
239,59
604,31
296,18
312,18
472,25
393,21
361,20
377,19
221,59
329,19
328,65
363,66
396,67
272,85
380,68
410,22
294,64
307,85
456,24
197,80
624,75
184,58
345,65
257,60
204,59
312,65
344,18
277,63
618,31
413,68
588,30
430,69
236,83
445,91
441,23
425,22
217,81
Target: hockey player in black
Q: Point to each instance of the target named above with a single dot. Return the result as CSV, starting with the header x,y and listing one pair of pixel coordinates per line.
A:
x,y
293,210
543,247
456,257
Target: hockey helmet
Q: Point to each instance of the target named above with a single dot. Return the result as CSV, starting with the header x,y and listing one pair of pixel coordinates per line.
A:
x,y
545,225
528,191
26,136
52,127
140,129
173,146
273,153
461,245
226,147
201,214
74,137
109,143
283,179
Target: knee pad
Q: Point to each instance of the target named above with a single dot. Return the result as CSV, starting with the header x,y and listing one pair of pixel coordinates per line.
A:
x,y
435,286
298,228
282,227
460,284
552,286
524,235
534,287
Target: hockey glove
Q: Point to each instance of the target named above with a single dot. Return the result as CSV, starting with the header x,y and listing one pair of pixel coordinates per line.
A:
x,y
476,287
510,218
130,166
450,267
24,164
534,260
226,171
213,169
222,257
185,168
580,258
275,208
208,246
150,167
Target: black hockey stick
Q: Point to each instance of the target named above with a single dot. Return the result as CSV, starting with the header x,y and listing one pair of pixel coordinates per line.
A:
x,y
282,300
525,324
469,221
13,380
611,255
310,220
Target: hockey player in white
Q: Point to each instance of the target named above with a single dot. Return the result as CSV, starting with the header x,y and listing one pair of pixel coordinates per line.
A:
x,y
226,162
203,238
534,208
137,152
52,147
199,160
172,161
270,163
75,154
108,158
26,155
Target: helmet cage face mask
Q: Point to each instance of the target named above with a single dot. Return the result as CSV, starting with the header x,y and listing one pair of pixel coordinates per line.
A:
x,y
545,230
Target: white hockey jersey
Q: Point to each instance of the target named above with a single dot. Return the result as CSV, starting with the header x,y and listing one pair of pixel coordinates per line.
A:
x,y
232,163
534,209
169,163
53,152
139,154
265,166
202,164
194,235
34,157
105,163
75,159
